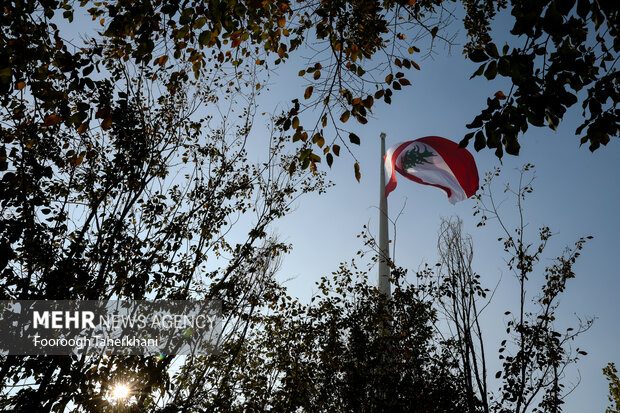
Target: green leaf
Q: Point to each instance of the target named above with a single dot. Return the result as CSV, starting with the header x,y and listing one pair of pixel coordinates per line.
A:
x,y
182,32
479,72
466,139
478,56
553,19
583,8
304,154
491,50
512,145
476,123
68,14
480,141
565,6
204,38
201,21
491,71
5,75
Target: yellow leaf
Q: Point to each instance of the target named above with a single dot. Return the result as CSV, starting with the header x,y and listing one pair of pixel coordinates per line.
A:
x,y
20,85
106,123
308,92
51,120
282,21
162,60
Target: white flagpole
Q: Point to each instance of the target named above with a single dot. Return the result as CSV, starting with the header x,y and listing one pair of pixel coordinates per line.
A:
x,y
384,249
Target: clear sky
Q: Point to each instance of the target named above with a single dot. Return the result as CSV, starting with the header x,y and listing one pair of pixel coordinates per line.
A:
x,y
576,194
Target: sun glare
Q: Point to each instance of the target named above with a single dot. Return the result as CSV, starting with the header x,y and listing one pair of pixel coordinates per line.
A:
x,y
120,391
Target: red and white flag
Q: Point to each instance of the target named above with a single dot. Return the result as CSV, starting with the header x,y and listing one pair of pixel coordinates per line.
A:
x,y
434,161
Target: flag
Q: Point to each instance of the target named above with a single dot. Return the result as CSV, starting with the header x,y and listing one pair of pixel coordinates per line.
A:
x,y
434,161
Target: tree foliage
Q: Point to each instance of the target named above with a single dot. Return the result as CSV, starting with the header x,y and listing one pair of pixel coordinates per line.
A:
x,y
125,166
534,354
359,54
333,355
567,53
351,349
611,374
127,180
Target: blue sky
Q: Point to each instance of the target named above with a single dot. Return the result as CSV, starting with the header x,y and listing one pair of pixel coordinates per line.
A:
x,y
576,193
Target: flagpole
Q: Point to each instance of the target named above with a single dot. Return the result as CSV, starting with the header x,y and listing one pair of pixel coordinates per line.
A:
x,y
384,251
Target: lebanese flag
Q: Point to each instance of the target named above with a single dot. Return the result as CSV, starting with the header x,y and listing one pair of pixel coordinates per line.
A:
x,y
434,161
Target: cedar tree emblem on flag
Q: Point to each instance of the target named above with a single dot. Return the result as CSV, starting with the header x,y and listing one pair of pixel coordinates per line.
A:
x,y
434,161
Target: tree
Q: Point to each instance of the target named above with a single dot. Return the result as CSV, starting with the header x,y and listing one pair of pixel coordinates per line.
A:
x,y
349,69
569,55
124,168
611,374
534,354
124,154
351,349
333,355
122,180
458,292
